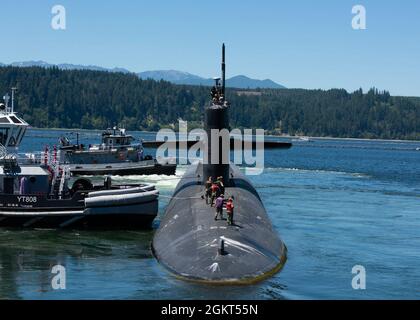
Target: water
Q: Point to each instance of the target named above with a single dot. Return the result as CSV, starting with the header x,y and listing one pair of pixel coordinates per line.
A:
x,y
335,203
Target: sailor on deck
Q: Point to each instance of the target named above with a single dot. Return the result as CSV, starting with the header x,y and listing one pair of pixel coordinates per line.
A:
x,y
215,192
209,183
219,207
229,211
220,184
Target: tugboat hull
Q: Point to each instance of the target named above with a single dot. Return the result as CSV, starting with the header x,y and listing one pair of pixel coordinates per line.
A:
x,y
104,209
76,220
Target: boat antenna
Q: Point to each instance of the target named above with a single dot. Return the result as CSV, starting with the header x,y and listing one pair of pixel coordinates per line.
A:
x,y
223,70
14,89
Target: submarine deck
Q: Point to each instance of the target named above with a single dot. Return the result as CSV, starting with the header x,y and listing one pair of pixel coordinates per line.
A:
x,y
188,240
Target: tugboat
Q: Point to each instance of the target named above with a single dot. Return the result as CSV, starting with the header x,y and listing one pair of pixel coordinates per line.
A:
x,y
116,155
35,192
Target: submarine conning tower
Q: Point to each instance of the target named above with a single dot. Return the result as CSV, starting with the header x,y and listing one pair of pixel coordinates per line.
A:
x,y
195,246
216,118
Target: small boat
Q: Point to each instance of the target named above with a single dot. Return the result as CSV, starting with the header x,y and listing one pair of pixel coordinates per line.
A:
x,y
302,139
116,155
35,192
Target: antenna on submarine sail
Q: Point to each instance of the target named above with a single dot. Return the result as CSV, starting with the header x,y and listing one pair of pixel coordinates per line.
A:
x,y
223,70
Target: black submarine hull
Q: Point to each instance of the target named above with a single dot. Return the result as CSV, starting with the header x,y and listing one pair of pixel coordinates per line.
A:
x,y
188,240
123,169
190,143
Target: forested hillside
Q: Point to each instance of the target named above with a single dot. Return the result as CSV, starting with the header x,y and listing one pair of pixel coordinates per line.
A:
x,y
49,97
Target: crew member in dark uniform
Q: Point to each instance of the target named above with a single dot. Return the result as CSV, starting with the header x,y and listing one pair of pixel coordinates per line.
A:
x,y
213,92
209,182
221,185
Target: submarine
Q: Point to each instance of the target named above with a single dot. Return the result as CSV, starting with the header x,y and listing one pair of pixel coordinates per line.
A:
x,y
195,247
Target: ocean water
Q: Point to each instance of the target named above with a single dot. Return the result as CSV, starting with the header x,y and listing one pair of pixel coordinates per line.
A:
x,y
335,203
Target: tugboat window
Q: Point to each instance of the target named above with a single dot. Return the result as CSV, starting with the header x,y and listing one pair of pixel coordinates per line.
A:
x,y
3,135
15,120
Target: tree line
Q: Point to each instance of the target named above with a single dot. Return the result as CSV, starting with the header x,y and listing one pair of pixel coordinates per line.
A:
x,y
54,98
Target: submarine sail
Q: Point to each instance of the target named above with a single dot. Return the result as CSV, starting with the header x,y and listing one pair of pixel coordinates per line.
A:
x,y
194,246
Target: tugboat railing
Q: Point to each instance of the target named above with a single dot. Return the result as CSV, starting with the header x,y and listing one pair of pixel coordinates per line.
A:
x,y
65,176
31,158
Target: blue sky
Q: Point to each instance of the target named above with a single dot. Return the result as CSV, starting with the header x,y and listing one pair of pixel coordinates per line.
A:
x,y
299,43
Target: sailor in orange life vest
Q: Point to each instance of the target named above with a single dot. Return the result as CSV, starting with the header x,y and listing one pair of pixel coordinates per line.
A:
x,y
215,192
229,211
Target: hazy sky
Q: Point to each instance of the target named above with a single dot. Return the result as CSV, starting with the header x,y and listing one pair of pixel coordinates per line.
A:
x,y
304,44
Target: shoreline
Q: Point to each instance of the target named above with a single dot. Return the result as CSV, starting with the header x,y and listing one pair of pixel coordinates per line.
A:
x,y
268,135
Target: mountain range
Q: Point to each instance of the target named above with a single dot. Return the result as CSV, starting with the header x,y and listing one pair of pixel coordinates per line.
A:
x,y
174,76
179,77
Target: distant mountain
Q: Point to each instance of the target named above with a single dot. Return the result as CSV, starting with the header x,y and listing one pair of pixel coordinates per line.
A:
x,y
31,64
248,83
67,66
179,77
174,76
64,66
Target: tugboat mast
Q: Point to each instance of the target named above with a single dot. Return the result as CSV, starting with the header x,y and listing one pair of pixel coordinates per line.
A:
x,y
14,89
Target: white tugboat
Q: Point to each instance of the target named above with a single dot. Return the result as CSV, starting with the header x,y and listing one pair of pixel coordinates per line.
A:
x,y
35,191
116,155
